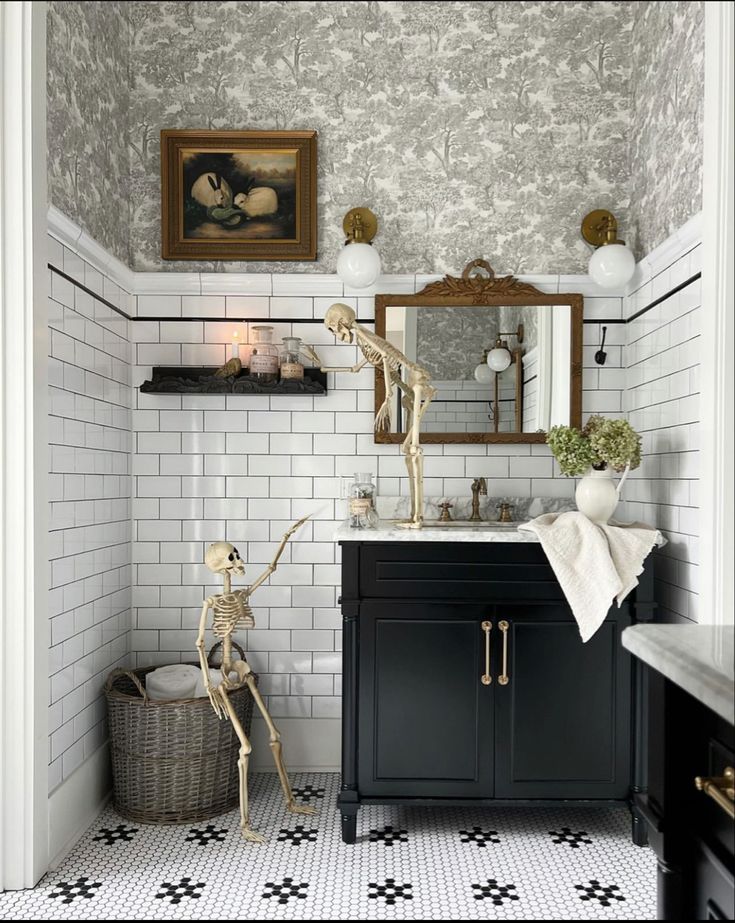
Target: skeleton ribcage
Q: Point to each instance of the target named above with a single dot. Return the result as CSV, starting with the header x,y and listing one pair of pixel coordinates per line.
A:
x,y
231,612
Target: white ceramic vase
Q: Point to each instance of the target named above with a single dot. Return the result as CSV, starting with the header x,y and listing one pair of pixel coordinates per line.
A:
x,y
597,495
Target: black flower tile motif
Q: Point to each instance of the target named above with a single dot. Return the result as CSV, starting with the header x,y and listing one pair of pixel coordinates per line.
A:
x,y
284,891
569,837
110,836
67,893
479,836
204,837
176,893
389,835
309,793
297,836
594,891
495,892
389,892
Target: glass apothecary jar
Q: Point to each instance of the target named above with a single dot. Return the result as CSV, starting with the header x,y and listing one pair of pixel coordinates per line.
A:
x,y
363,514
264,355
291,365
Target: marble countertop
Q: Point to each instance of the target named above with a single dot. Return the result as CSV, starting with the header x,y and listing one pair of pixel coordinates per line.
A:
x,y
388,531
699,658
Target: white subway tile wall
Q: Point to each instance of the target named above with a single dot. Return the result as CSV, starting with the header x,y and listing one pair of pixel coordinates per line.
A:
x,y
662,402
244,467
90,525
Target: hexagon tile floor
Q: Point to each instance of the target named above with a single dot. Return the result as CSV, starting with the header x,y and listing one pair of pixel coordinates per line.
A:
x,y
408,864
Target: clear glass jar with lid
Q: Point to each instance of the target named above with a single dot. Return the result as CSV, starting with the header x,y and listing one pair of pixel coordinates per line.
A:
x,y
264,356
291,364
363,514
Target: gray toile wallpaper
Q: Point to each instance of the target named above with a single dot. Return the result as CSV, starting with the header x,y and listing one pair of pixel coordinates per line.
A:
x,y
668,106
88,109
470,128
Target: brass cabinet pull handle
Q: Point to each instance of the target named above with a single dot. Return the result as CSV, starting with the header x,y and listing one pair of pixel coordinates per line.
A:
x,y
504,679
486,679
721,789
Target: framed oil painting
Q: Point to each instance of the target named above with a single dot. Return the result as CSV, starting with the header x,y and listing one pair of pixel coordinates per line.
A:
x,y
238,195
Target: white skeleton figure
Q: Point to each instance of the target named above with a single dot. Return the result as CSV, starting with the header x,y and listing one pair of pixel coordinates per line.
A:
x,y
230,612
417,392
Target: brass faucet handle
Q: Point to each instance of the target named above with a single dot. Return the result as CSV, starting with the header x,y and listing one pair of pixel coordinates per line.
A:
x,y
505,509
445,514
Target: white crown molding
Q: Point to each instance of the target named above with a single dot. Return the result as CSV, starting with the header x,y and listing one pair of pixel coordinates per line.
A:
x,y
329,285
71,235
667,253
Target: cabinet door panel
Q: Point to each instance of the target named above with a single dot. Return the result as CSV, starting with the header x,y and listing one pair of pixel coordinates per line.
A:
x,y
425,717
563,720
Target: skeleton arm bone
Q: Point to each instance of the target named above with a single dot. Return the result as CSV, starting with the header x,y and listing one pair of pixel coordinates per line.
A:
x,y
274,563
203,660
312,353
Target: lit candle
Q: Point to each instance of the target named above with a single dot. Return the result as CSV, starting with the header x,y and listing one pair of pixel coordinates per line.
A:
x,y
235,346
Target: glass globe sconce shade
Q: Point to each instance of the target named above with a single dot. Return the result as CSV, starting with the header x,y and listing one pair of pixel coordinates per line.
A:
x,y
499,358
358,264
612,264
483,373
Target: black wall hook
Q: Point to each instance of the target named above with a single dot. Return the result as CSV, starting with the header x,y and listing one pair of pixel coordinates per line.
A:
x,y
601,355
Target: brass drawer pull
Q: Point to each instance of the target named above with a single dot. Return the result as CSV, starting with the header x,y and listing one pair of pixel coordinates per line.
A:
x,y
486,679
504,679
721,789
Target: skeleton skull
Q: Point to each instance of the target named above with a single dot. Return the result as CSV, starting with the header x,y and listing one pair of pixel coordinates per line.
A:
x,y
340,319
224,558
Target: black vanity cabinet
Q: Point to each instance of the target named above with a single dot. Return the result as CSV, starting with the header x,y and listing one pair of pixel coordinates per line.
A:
x,y
465,680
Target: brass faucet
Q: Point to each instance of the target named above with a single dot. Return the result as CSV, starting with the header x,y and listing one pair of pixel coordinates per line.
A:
x,y
479,486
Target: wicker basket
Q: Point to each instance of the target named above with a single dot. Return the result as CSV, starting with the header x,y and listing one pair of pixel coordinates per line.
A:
x,y
173,762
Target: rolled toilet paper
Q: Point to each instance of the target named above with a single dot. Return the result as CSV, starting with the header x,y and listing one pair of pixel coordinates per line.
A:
x,y
176,681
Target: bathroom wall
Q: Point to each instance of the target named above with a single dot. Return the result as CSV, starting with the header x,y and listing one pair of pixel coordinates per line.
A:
x,y
667,90
244,467
88,51
448,119
662,356
90,530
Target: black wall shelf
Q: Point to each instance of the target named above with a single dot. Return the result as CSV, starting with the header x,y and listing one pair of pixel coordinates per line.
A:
x,y
191,379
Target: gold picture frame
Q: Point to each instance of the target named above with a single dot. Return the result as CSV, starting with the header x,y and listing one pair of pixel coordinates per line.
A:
x,y
238,195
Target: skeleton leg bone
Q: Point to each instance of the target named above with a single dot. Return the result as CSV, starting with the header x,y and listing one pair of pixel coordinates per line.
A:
x,y
245,674
242,765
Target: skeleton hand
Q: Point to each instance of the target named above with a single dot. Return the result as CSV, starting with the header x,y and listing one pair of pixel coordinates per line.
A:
x,y
214,699
382,419
296,526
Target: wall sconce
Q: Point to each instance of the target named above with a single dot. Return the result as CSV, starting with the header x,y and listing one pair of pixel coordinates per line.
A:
x,y
499,358
612,264
358,264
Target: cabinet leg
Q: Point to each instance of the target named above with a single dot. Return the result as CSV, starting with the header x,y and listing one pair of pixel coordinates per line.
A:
x,y
349,828
639,829
671,904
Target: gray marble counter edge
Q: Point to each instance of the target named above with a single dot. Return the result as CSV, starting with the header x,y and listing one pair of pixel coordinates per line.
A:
x,y
387,532
701,680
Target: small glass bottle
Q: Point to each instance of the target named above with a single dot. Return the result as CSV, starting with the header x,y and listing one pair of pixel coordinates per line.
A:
x,y
363,514
291,364
264,357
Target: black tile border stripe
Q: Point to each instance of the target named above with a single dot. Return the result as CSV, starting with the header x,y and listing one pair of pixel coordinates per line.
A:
x,y
315,320
83,287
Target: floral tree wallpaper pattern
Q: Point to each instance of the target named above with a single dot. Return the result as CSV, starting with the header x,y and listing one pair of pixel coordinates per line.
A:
x,y
88,106
470,128
668,109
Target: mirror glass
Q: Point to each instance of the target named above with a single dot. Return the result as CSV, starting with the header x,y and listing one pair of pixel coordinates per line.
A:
x,y
525,389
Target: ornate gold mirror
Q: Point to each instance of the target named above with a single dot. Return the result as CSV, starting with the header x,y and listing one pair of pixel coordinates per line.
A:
x,y
505,358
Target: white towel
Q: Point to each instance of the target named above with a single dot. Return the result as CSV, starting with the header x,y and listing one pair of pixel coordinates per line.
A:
x,y
593,563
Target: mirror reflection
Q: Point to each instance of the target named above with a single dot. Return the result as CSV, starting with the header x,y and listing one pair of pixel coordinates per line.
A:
x,y
496,369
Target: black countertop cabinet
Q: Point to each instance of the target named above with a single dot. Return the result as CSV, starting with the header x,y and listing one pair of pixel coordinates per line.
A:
x,y
422,724
692,835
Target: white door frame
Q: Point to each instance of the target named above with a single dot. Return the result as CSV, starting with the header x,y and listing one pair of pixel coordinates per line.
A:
x,y
23,447
718,323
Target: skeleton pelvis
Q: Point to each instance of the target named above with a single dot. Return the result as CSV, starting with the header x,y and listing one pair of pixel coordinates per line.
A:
x,y
231,612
